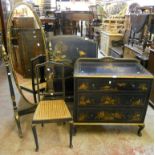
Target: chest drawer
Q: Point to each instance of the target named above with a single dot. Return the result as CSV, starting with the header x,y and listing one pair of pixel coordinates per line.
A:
x,y
97,84
110,115
111,99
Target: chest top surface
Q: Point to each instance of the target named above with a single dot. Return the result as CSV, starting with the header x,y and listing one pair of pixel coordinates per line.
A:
x,y
110,68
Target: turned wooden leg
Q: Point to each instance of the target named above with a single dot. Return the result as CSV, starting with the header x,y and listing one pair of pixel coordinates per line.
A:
x,y
35,136
71,132
141,127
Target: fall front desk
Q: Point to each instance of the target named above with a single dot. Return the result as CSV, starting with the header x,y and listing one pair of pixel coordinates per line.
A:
x,y
110,91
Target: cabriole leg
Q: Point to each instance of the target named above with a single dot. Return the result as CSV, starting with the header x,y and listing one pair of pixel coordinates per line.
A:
x,y
35,136
141,127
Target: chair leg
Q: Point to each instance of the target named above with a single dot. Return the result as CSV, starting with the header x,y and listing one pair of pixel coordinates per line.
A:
x,y
71,131
16,116
35,136
74,130
34,96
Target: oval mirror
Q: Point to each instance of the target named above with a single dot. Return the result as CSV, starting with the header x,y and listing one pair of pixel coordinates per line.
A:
x,y
26,42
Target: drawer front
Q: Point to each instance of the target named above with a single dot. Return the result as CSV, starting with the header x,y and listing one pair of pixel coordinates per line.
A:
x,y
113,85
111,99
110,115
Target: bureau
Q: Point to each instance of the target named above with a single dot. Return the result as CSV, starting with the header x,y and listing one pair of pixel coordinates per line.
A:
x,y
110,91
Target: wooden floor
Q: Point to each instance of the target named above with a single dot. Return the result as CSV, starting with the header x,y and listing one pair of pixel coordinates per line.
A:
x,y
54,139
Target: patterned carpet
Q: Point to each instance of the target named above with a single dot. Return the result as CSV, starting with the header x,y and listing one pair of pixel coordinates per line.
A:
x,y
54,139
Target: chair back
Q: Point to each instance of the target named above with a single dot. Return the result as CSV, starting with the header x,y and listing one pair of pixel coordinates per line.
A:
x,y
54,77
34,61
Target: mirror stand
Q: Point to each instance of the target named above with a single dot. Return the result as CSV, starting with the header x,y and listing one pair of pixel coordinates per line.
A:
x,y
25,41
17,112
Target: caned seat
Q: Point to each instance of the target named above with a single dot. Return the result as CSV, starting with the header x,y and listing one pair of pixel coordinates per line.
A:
x,y
51,105
51,110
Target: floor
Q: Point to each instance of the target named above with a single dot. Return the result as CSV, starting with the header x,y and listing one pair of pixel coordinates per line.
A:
x,y
54,138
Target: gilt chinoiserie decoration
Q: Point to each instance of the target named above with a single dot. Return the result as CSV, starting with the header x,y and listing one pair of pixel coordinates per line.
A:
x,y
111,91
67,49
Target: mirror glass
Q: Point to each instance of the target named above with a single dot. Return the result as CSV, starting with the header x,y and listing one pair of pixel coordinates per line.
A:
x,y
25,42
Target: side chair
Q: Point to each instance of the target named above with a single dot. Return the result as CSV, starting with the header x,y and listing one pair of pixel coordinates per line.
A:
x,y
51,105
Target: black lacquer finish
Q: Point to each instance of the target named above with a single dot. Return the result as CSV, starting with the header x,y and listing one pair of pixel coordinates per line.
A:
x,y
67,49
111,91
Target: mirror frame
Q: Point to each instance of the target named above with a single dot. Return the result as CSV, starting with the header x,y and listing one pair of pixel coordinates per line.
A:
x,y
9,48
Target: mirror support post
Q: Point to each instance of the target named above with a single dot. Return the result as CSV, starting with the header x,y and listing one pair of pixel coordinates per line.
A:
x,y
16,115
17,112
3,23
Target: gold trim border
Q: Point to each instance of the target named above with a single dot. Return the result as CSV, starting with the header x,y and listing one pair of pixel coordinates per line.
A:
x,y
113,77
116,124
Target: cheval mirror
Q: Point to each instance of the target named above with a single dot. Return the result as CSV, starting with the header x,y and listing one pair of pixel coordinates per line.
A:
x,y
25,44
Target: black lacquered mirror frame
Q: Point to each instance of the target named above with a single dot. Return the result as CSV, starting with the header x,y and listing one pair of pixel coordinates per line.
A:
x,y
30,108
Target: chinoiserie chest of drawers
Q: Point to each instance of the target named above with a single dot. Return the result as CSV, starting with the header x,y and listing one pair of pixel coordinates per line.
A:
x,y
112,91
